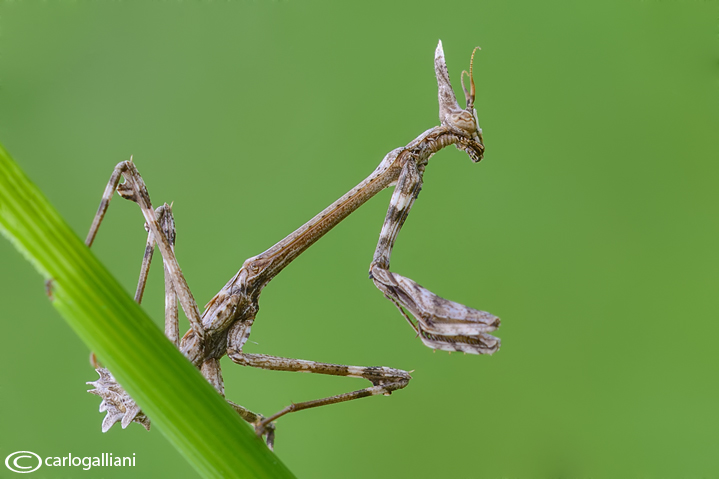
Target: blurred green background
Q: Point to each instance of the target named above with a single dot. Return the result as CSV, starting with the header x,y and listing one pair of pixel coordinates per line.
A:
x,y
590,228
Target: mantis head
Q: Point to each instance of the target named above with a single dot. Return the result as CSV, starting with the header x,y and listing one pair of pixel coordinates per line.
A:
x,y
450,113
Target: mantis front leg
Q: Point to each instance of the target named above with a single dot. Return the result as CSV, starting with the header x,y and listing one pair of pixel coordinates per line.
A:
x,y
441,324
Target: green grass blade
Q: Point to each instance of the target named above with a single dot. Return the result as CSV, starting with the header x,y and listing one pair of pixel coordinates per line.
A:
x,y
181,404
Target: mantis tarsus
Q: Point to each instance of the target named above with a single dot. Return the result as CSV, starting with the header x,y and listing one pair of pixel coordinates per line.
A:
x,y
225,325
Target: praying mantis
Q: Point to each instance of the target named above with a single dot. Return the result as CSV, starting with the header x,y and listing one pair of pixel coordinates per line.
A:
x,y
225,325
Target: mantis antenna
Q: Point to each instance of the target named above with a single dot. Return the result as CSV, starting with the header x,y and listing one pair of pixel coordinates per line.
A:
x,y
469,96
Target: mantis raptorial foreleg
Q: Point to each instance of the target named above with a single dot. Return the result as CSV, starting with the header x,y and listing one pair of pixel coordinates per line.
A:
x,y
225,325
441,324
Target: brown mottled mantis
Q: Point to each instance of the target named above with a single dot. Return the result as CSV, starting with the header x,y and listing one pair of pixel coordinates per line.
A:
x,y
225,325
